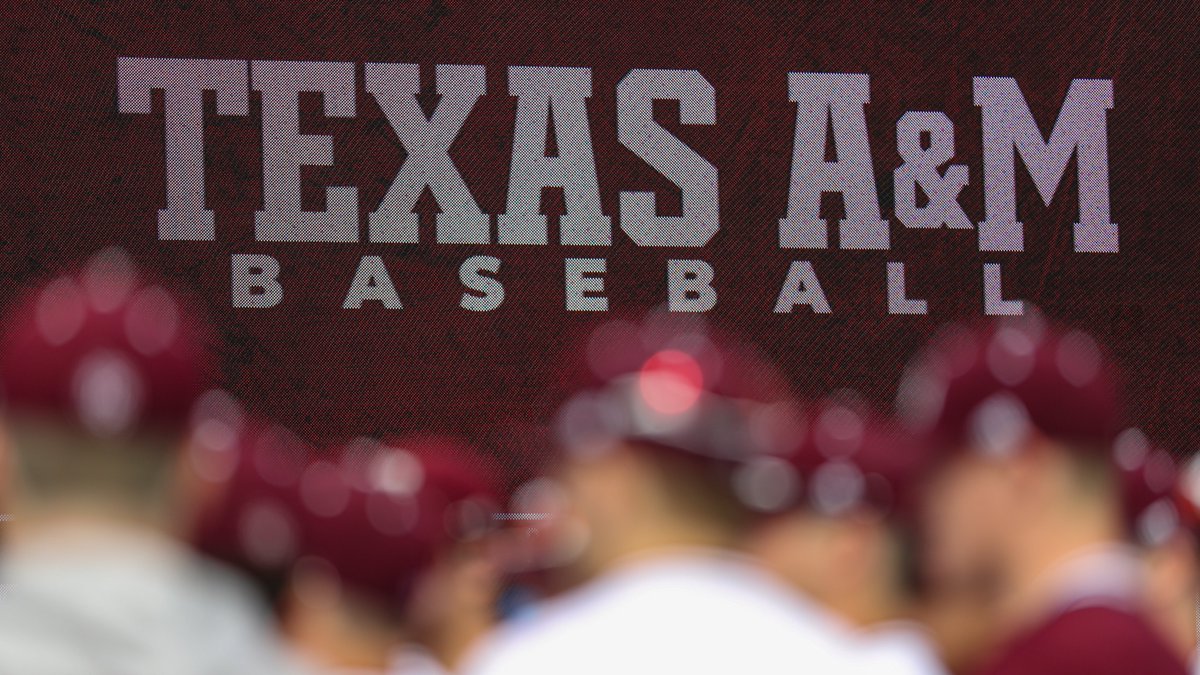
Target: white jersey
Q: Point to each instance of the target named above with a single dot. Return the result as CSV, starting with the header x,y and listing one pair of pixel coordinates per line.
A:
x,y
701,614
129,603
898,649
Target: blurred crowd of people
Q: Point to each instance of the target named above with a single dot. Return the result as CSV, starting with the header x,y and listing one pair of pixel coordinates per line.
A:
x,y
693,515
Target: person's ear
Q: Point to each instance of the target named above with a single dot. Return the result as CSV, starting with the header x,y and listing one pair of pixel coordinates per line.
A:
x,y
193,493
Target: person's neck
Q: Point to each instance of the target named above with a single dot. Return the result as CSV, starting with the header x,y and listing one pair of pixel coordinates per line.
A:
x,y
1045,544
32,522
1180,621
451,644
872,603
330,638
659,537
349,652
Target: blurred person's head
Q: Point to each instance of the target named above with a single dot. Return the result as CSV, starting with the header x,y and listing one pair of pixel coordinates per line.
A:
x,y
454,601
247,476
655,457
845,538
1021,418
633,498
537,537
98,373
1162,510
393,552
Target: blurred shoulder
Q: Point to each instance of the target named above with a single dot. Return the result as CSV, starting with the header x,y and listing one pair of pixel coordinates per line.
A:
x,y
1095,639
899,649
700,615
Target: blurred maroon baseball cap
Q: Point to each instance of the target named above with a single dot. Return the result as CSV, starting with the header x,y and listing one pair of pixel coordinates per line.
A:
x,y
616,348
107,349
672,385
377,515
460,486
249,516
992,389
851,460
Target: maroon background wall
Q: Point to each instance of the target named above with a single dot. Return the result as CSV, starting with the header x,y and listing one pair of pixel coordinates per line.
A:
x,y
75,175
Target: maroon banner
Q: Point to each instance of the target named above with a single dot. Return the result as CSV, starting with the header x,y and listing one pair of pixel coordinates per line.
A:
x,y
575,163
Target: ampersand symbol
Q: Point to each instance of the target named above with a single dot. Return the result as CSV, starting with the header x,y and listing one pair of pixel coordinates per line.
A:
x,y
921,167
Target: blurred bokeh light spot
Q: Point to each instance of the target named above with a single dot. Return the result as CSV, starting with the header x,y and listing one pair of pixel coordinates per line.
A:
x,y
670,382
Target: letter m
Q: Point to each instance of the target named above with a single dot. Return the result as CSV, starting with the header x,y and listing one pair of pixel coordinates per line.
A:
x,y
1080,130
